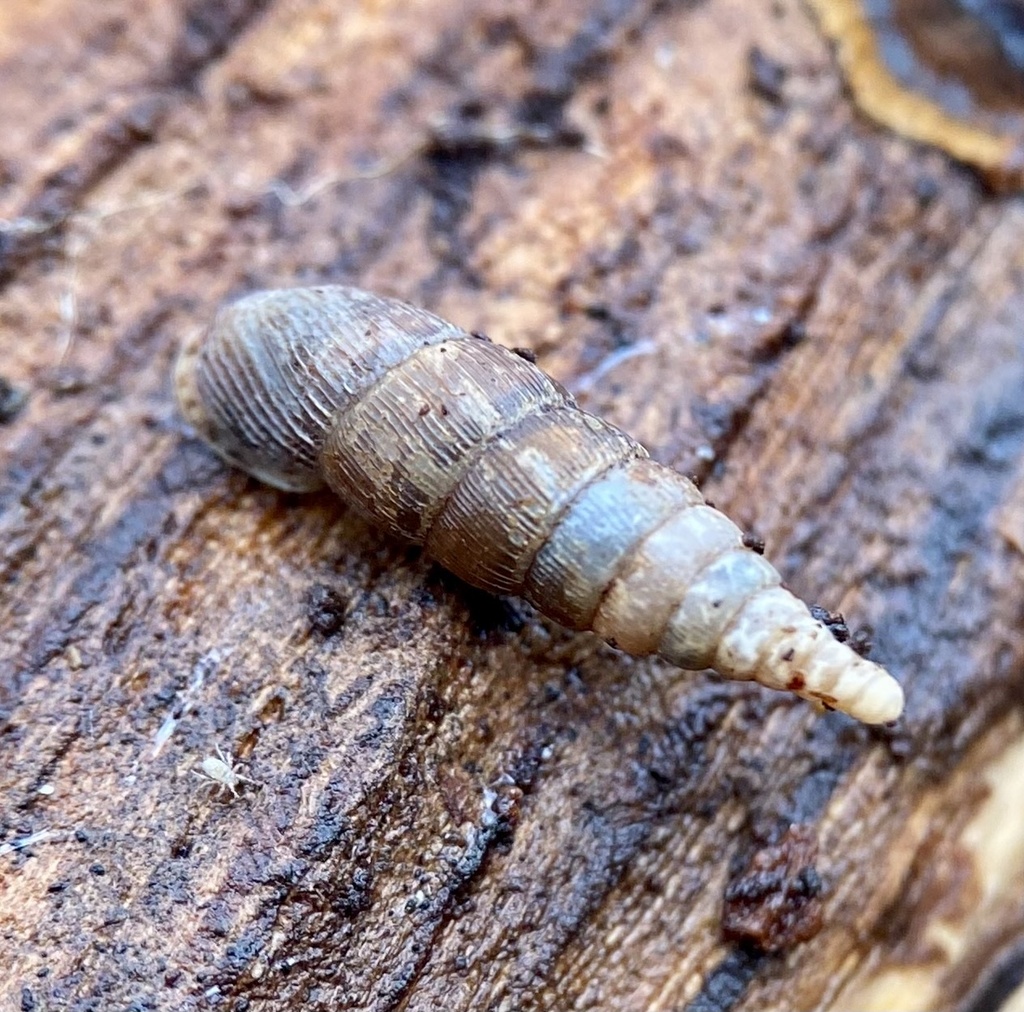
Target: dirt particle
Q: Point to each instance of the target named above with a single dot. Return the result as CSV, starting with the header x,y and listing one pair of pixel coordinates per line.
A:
x,y
793,334
860,642
526,353
754,543
326,609
833,621
765,76
775,902
926,190
12,400
68,381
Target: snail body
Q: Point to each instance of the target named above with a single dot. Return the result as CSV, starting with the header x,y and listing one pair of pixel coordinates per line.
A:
x,y
450,441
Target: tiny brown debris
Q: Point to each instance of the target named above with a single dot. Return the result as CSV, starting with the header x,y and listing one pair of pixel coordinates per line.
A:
x,y
326,609
754,543
775,903
833,621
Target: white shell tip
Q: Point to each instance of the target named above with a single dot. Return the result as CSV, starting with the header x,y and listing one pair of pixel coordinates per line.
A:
x,y
881,701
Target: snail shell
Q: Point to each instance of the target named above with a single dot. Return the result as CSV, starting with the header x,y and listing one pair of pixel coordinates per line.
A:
x,y
455,443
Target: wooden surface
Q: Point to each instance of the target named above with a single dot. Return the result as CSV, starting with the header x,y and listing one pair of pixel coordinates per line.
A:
x,y
462,806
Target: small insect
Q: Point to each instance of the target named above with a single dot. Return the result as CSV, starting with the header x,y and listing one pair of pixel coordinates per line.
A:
x,y
221,772
507,483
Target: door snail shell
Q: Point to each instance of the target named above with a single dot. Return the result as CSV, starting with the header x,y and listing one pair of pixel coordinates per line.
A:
x,y
455,443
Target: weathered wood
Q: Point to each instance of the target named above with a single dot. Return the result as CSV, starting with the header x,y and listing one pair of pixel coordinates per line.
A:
x,y
461,806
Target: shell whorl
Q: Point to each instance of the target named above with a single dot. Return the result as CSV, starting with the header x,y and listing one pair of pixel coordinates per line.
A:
x,y
265,382
453,442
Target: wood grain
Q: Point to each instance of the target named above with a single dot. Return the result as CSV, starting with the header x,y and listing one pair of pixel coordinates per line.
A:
x,y
462,806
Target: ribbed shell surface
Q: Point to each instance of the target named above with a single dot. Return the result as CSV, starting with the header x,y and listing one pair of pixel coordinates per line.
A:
x,y
399,451
264,383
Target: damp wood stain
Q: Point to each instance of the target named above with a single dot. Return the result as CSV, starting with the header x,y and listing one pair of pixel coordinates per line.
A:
x,y
942,72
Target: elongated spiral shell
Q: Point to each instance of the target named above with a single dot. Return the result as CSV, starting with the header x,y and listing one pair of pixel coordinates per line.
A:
x,y
450,441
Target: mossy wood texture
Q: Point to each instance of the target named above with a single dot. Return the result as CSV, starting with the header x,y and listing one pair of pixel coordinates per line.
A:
x,y
460,806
